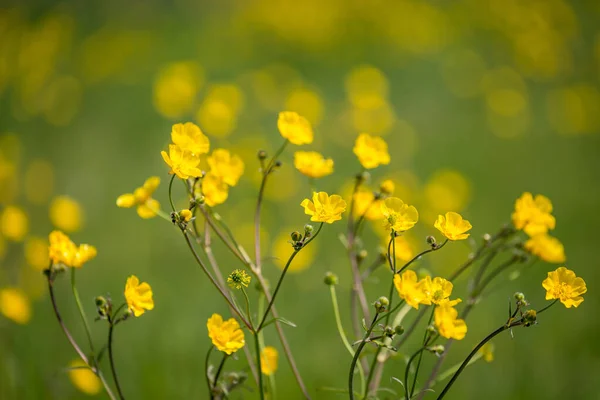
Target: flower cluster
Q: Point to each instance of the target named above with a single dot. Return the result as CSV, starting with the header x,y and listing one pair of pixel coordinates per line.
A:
x,y
147,207
189,143
63,252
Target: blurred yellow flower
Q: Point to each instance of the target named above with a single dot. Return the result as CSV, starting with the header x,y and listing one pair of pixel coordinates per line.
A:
x,y
487,352
214,190
366,87
175,88
66,214
533,215
282,250
446,189
313,164
453,226
186,215
448,324
387,187
306,102
238,278
147,207
14,223
365,204
371,151
190,138
546,247
324,208
36,253
83,378
269,358
38,181
229,167
183,163
63,251
411,290
226,336
398,216
565,286
138,296
294,128
404,250
15,305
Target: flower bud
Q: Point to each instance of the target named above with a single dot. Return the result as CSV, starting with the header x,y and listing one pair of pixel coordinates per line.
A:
x,y
487,237
399,330
262,155
103,306
308,230
387,187
296,236
430,241
330,279
438,349
389,331
381,304
185,215
278,164
431,330
530,317
362,255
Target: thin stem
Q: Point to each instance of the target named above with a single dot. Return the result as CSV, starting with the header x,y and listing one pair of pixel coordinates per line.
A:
x,y
493,274
247,307
357,354
219,369
170,193
261,389
83,317
425,336
212,280
206,361
340,328
407,392
72,341
111,358
547,307
287,265
421,254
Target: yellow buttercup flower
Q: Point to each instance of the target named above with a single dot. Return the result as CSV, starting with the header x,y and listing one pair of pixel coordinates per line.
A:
x,y
14,223
564,285
387,187
448,324
63,251
36,253
453,226
15,305
398,216
269,358
147,207
324,208
138,296
294,128
186,215
190,138
372,151
66,214
229,167
238,278
214,190
365,204
183,163
83,378
438,290
533,215
313,164
226,336
546,247
411,290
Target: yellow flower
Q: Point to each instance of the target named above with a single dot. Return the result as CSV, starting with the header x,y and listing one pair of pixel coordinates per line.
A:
x,y
14,223
365,204
438,290
410,290
183,163
268,360
324,208
147,207
487,352
226,166
371,151
313,164
238,278
36,253
564,285
533,215
190,138
387,187
63,251
66,214
83,378
448,324
138,296
15,305
226,336
186,215
453,226
214,190
546,247
398,216
295,128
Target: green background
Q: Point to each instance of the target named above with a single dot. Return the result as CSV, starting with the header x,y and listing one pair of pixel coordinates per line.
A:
x,y
444,116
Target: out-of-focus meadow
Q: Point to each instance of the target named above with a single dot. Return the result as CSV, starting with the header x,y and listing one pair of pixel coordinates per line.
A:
x,y
479,100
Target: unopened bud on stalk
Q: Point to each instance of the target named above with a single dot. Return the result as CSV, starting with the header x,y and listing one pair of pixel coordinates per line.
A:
x,y
308,230
438,349
381,304
399,330
262,155
296,236
330,279
103,306
389,331
431,241
530,317
362,255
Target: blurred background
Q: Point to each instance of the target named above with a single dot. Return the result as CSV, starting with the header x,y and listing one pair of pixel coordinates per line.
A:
x,y
479,101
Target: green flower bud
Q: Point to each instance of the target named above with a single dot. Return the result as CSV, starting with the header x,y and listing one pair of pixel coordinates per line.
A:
x,y
362,255
308,230
103,306
389,331
296,236
438,349
399,330
381,304
430,241
262,155
330,279
530,317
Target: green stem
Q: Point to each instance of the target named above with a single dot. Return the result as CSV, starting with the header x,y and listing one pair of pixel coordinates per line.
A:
x,y
260,374
287,265
248,307
170,192
83,316
357,354
425,336
340,328
206,361
407,394
111,358
421,254
547,307
219,369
